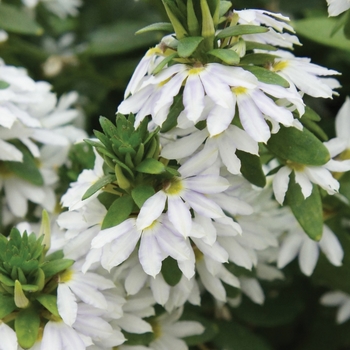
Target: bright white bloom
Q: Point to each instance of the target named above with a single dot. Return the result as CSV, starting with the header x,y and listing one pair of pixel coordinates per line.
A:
x,y
114,245
336,7
306,175
300,72
297,243
3,36
168,331
341,300
276,24
74,285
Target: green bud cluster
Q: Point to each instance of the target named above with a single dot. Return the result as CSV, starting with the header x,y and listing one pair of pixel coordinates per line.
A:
x,y
28,284
134,168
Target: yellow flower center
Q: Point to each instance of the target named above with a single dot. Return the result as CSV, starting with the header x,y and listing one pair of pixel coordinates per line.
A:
x,y
175,186
66,276
278,66
195,70
239,90
295,166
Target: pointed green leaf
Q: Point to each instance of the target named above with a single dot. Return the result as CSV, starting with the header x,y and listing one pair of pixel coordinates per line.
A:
x,y
100,183
175,110
347,25
164,62
192,21
307,211
49,302
314,128
141,193
27,325
266,76
7,305
251,45
151,166
188,45
14,19
225,55
53,267
251,168
298,146
310,114
6,280
118,212
241,29
259,59
3,84
174,19
160,26
171,272
26,170
30,288
224,7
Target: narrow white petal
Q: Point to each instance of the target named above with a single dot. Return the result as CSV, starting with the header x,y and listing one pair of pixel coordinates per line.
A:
x,y
206,183
280,183
252,288
160,289
67,304
323,178
289,249
308,256
10,152
183,329
134,324
343,313
304,183
8,337
215,251
342,120
150,254
331,246
135,280
179,215
151,210
193,97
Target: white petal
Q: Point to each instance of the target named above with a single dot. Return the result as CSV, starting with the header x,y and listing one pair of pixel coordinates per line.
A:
x,y
343,313
342,120
179,215
206,183
289,249
304,182
150,254
160,289
151,210
10,152
280,183
134,324
8,337
193,97
252,288
67,304
331,247
308,256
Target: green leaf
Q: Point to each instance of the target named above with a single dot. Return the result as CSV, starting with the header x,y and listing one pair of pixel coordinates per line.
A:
x,y
298,146
30,288
118,212
310,114
3,85
134,339
241,29
187,46
251,168
27,325
53,267
225,55
6,280
347,26
164,62
251,45
175,110
141,193
266,76
171,272
26,170
7,305
224,7
49,302
151,166
314,128
14,19
307,211
259,59
100,183
160,26
320,29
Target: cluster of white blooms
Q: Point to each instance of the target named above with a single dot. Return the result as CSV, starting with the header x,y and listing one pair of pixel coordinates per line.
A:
x,y
36,130
336,7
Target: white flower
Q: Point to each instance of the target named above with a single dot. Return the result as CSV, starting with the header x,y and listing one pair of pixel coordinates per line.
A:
x,y
114,245
73,285
340,299
304,74
296,242
276,24
305,175
61,8
168,331
336,7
